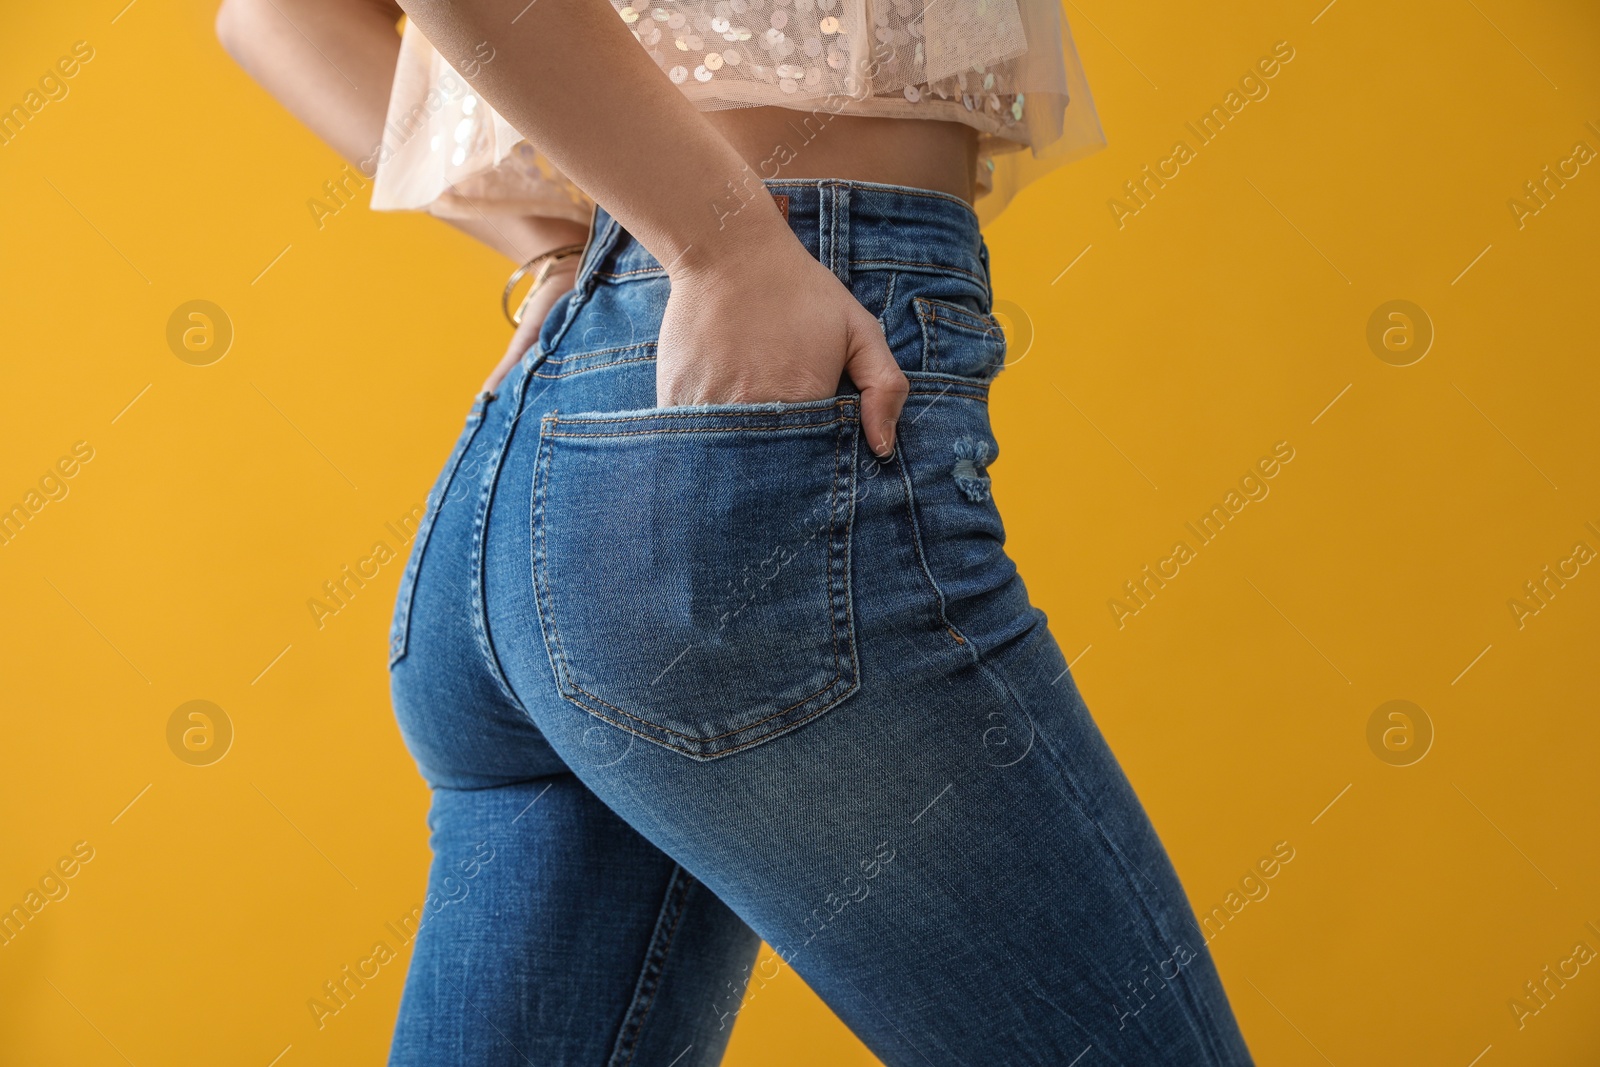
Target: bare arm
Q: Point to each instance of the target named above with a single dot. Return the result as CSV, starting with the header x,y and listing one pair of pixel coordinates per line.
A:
x,y
331,64
752,315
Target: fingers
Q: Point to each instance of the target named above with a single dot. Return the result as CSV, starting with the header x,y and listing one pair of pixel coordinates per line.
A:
x,y
883,384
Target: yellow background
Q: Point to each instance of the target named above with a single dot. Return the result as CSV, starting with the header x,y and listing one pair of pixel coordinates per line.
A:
x,y
1223,317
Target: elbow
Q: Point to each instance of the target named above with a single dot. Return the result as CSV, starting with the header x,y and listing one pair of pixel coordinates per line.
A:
x,y
230,32
234,25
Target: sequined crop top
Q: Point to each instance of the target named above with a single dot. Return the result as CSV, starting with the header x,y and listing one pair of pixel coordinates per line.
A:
x,y
1004,67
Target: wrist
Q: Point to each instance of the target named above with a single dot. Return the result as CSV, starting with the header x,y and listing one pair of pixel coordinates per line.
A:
x,y
746,237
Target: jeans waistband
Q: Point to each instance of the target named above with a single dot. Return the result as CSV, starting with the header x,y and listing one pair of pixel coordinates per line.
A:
x,y
849,226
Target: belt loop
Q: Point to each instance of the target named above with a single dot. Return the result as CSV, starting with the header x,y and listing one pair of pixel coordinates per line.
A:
x,y
838,259
988,279
601,241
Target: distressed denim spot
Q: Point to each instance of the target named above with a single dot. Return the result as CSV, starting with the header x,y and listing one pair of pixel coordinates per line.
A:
x,y
972,454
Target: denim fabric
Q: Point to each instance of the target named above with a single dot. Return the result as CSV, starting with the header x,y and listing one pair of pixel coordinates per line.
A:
x,y
697,677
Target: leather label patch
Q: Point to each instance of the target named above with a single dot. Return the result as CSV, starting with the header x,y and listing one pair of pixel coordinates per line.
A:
x,y
783,204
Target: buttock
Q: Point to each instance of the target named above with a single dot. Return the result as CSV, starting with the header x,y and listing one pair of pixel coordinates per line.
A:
x,y
692,578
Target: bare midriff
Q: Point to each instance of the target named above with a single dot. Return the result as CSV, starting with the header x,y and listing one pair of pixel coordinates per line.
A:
x,y
780,143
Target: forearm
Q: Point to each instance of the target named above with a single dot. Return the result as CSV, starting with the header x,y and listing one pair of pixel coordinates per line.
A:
x,y
331,64
570,77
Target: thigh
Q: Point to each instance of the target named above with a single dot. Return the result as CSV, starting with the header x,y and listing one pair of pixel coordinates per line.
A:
x,y
553,933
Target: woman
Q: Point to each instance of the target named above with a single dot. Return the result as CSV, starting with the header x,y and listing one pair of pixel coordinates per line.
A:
x,y
708,636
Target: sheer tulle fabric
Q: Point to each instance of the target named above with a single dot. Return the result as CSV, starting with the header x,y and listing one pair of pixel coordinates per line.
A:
x,y
1007,68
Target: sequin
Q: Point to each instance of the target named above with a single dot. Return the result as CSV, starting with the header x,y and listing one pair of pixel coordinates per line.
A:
x,y
791,52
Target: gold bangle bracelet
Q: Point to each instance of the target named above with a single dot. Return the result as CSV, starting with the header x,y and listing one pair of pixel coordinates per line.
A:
x,y
541,265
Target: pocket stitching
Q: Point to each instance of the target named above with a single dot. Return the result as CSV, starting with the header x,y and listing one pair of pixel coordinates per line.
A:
x,y
928,317
707,430
558,654
744,412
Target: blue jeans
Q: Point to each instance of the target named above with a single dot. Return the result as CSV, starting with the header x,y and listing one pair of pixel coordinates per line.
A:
x,y
686,679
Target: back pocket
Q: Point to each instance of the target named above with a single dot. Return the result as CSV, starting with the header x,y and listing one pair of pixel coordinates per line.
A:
x,y
692,567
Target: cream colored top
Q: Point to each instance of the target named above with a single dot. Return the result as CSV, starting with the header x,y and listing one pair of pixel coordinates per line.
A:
x,y
1007,68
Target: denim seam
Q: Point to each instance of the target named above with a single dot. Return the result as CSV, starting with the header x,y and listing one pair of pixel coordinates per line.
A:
x,y
956,385
888,300
638,273
480,530
930,336
597,248
552,633
699,430
927,572
840,196
601,352
934,268
674,903
598,366
657,269
867,187
957,315
605,419
401,640
1191,1010
541,595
